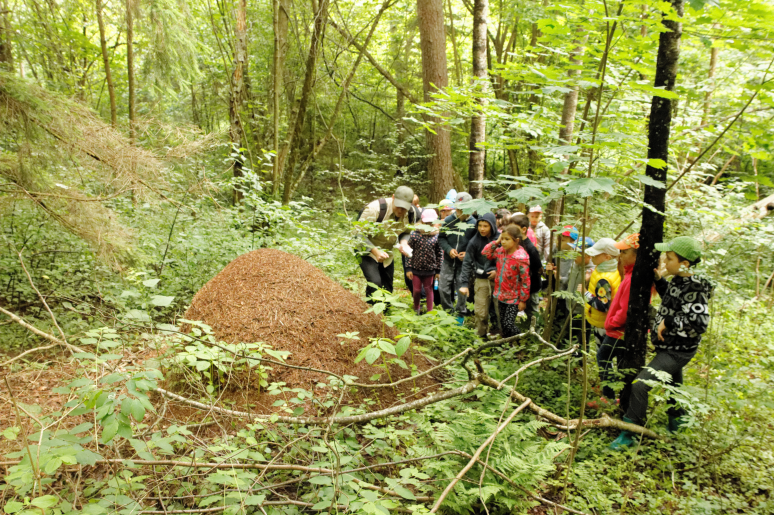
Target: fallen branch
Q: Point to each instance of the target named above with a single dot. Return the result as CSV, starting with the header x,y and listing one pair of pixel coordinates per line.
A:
x,y
353,419
475,456
33,329
36,349
536,362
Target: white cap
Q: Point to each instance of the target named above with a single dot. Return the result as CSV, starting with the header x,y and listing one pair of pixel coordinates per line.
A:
x,y
604,246
536,209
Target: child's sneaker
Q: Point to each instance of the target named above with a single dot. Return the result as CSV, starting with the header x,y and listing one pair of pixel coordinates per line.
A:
x,y
624,439
460,320
675,424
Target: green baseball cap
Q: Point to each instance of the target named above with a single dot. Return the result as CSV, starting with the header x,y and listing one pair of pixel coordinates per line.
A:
x,y
685,246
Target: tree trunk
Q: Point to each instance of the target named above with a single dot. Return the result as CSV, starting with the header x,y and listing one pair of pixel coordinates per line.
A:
x,y
280,48
6,35
130,66
295,128
435,75
714,51
106,61
652,230
453,36
236,130
477,159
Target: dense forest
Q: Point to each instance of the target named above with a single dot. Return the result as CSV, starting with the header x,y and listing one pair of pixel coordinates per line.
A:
x,y
193,199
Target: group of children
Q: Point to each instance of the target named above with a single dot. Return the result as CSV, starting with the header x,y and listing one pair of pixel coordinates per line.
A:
x,y
502,257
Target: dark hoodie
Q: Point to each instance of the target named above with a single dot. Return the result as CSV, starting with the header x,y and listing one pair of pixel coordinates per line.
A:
x,y
456,234
474,261
685,312
535,266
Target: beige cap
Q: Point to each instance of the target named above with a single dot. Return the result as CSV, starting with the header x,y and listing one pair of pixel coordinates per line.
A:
x,y
404,196
604,246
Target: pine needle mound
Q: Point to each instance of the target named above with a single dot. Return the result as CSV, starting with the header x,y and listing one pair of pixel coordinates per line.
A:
x,y
277,298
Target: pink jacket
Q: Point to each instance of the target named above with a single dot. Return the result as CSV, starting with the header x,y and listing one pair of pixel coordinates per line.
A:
x,y
616,315
512,278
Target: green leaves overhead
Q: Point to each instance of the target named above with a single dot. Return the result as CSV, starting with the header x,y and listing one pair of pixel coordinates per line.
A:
x,y
477,205
587,187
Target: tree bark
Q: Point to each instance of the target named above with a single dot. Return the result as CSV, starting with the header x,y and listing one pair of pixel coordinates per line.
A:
x,y
714,51
455,52
652,230
106,61
281,8
477,157
6,50
236,130
130,66
435,76
296,126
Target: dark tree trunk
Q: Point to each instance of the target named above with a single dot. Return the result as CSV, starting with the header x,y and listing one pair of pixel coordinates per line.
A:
x,y
652,230
6,50
477,159
236,130
435,76
106,61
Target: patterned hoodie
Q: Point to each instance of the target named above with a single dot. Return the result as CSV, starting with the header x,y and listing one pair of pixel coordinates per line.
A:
x,y
685,312
512,279
427,256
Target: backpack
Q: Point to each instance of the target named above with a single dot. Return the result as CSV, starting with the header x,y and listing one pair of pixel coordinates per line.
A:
x,y
414,214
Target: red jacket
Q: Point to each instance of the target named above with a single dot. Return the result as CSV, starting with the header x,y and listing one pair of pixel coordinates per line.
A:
x,y
616,315
512,279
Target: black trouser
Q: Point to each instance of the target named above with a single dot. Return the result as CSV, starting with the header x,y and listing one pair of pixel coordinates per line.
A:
x,y
378,274
610,349
508,315
670,362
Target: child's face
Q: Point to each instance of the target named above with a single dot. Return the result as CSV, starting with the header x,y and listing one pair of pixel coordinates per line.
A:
x,y
566,242
673,265
601,258
508,243
628,257
582,258
445,212
534,218
484,229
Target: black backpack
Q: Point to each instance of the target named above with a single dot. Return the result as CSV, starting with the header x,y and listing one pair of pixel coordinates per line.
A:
x,y
414,214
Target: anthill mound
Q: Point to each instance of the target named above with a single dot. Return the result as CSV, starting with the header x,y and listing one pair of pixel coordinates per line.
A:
x,y
277,298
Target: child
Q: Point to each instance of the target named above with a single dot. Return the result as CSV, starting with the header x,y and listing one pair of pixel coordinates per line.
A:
x,y
681,320
603,284
424,264
612,346
542,232
511,278
456,232
483,270
535,266
502,216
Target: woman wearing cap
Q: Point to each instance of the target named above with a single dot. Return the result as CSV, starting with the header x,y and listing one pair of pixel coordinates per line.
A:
x,y
394,215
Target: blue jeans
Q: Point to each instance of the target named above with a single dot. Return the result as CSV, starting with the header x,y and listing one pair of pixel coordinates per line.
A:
x,y
610,349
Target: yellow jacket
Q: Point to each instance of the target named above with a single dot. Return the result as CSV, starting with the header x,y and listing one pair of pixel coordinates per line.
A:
x,y
602,287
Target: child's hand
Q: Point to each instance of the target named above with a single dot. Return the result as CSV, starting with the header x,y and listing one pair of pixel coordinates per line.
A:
x,y
410,275
656,274
492,274
464,291
522,306
661,329
453,253
580,288
499,238
551,268
461,255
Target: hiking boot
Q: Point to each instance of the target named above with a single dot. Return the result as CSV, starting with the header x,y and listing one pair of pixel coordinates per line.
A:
x,y
624,439
676,423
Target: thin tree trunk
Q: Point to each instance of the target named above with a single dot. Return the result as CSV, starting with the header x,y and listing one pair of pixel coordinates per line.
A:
x,y
281,8
714,51
106,61
435,76
130,67
652,230
296,127
236,130
477,158
453,36
6,36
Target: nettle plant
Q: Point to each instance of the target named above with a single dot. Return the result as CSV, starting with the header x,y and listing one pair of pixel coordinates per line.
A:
x,y
201,357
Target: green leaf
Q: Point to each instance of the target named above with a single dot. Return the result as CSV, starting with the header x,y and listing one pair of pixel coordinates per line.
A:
x,y
11,433
321,480
402,346
372,354
760,179
648,181
138,410
203,365
151,283
13,507
87,457
404,492
477,205
109,432
45,501
387,347
255,500
587,187
52,466
525,194
657,163
161,300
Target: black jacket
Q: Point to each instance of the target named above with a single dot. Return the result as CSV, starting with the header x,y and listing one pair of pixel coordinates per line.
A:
x,y
685,312
535,266
456,234
474,261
